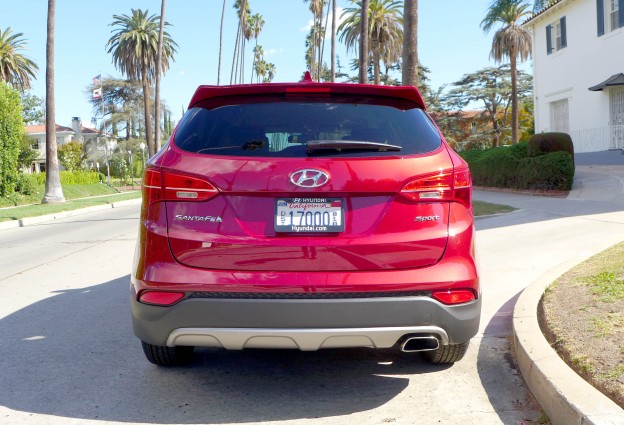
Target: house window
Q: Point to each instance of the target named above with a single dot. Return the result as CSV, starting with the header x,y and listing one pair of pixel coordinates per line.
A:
x,y
35,145
559,116
556,37
610,15
473,127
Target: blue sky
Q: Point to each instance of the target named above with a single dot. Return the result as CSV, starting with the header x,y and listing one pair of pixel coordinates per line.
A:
x,y
451,43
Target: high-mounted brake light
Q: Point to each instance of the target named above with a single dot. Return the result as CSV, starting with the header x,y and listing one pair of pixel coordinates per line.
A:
x,y
446,185
167,186
454,296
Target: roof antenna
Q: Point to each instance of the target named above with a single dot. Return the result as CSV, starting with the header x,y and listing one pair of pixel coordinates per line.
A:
x,y
307,78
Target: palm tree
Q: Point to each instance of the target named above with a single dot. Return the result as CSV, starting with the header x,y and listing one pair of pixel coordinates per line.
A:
x,y
256,24
134,46
15,68
316,35
53,188
410,43
158,68
385,30
220,43
364,35
510,41
243,34
333,42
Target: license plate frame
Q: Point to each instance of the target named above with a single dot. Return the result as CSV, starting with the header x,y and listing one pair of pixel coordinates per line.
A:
x,y
309,215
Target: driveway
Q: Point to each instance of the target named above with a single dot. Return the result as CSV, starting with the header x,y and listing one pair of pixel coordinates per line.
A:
x,y
68,355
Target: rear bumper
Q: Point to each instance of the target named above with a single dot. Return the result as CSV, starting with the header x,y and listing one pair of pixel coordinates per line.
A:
x,y
306,324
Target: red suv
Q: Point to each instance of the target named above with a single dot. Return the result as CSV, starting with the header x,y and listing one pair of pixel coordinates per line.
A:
x,y
306,216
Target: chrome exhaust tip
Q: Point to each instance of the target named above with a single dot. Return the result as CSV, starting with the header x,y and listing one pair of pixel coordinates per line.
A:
x,y
415,344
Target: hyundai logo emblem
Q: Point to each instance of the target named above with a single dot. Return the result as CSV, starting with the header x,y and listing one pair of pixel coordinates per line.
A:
x,y
309,178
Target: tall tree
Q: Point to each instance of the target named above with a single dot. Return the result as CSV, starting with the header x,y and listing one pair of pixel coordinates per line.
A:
x,y
316,35
256,24
490,87
363,55
333,42
385,32
33,109
11,133
220,43
158,73
15,68
512,42
53,189
410,43
134,45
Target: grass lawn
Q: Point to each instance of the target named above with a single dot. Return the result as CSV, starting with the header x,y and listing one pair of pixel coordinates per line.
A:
x,y
485,208
78,196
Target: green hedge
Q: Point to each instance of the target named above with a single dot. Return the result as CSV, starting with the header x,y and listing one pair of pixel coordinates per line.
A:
x,y
543,143
76,177
512,167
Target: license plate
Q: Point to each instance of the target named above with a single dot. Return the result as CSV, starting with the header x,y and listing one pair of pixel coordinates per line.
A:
x,y
309,215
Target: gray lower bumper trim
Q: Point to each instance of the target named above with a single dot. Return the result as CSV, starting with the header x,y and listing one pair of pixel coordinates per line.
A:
x,y
301,339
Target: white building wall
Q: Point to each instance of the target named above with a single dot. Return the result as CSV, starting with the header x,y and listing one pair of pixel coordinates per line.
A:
x,y
568,73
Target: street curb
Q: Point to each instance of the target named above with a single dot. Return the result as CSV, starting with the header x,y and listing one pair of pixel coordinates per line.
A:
x,y
565,397
29,221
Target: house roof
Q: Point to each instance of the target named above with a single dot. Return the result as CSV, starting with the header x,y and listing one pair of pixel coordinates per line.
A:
x,y
537,15
41,128
614,80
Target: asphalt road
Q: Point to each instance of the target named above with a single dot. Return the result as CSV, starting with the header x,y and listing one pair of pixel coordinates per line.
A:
x,y
68,355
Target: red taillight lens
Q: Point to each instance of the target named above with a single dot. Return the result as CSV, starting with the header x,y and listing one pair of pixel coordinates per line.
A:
x,y
167,186
454,297
160,297
446,185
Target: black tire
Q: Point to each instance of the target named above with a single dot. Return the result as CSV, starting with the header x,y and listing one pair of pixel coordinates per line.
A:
x,y
447,353
167,356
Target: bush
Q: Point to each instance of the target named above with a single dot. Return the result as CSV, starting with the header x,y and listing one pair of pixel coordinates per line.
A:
x,y
543,143
512,167
76,177
27,184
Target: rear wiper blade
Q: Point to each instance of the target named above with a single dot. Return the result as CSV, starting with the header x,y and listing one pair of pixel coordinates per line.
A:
x,y
340,145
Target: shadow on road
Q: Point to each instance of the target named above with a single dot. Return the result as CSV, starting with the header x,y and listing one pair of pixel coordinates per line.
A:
x,y
495,359
74,355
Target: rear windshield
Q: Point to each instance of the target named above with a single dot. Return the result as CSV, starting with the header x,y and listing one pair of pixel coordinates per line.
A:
x,y
300,129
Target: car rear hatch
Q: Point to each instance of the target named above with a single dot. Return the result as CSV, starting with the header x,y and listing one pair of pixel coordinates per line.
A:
x,y
296,183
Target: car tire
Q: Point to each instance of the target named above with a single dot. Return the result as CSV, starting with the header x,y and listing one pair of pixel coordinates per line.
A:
x,y
167,356
447,353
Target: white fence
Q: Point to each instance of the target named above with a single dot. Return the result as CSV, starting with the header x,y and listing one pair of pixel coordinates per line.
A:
x,y
598,139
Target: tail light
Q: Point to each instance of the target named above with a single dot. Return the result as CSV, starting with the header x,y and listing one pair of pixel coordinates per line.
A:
x,y
447,185
168,186
452,297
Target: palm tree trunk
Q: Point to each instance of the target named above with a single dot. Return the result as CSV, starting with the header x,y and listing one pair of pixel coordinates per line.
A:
x,y
376,62
333,42
234,72
220,43
364,58
158,72
151,146
410,43
514,97
53,189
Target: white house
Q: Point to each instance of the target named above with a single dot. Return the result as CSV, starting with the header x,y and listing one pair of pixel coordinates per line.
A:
x,y
578,71
78,132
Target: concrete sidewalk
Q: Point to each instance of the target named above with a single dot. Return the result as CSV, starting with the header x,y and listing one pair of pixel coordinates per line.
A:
x,y
595,210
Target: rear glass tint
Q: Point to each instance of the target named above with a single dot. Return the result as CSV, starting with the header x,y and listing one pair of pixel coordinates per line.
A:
x,y
282,128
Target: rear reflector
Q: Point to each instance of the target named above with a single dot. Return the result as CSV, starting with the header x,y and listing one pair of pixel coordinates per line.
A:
x,y
160,297
454,297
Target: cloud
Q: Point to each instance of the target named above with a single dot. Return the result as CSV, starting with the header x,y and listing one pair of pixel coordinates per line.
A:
x,y
273,51
340,20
